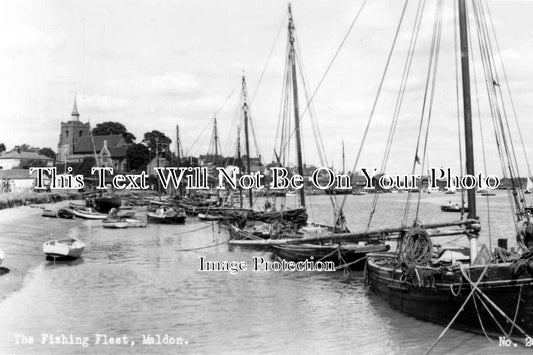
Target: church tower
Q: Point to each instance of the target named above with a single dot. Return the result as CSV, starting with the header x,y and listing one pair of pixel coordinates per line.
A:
x,y
71,131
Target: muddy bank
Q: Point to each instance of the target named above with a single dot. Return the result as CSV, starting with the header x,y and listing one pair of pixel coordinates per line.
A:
x,y
22,233
13,199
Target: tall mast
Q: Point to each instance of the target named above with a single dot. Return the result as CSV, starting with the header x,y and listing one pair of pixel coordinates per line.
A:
x,y
292,59
343,160
178,147
246,138
239,159
215,134
467,109
178,153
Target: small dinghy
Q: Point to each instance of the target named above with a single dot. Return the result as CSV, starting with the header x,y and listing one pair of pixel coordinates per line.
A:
x,y
70,248
116,220
123,223
166,215
135,222
60,213
2,256
88,213
111,223
453,208
210,217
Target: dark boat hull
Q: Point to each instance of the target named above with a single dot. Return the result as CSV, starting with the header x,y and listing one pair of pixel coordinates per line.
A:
x,y
105,203
339,192
324,253
65,213
446,208
167,220
432,298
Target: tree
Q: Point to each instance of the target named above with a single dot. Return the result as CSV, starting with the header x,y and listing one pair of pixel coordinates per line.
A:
x,y
157,142
2,147
84,167
25,148
48,152
138,156
110,128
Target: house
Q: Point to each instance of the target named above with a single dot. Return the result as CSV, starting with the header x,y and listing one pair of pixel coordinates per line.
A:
x,y
17,159
18,180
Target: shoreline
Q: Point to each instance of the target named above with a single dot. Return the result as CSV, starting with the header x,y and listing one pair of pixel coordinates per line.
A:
x,y
22,243
18,199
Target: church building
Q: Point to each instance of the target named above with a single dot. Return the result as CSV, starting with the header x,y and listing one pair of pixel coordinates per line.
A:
x,y
76,143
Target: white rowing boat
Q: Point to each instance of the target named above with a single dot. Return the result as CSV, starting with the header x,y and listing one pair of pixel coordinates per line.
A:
x,y
88,213
71,248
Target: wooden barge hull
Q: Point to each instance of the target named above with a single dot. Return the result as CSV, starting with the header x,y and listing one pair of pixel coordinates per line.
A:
x,y
167,219
438,298
325,253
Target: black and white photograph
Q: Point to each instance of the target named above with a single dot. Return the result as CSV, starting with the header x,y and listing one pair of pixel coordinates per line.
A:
x,y
253,176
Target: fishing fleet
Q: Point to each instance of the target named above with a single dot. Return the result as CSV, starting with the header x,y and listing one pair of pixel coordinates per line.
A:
x,y
476,288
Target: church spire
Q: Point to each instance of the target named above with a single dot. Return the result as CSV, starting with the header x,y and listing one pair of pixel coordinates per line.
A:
x,y
75,112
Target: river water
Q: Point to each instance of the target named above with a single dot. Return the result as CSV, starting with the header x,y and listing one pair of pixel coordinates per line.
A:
x,y
146,281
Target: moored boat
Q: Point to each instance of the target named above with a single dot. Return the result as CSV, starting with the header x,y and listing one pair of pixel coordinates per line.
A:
x,y
167,215
529,186
2,256
281,228
104,204
70,248
435,293
87,213
209,217
109,223
486,192
123,223
343,255
485,292
453,208
60,213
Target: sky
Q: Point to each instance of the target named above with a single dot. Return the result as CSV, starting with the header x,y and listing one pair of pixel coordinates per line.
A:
x,y
157,64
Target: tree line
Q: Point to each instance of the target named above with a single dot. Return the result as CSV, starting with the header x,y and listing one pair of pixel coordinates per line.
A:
x,y
154,143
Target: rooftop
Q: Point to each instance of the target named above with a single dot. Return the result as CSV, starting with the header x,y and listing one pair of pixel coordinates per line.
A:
x,y
85,144
17,174
14,154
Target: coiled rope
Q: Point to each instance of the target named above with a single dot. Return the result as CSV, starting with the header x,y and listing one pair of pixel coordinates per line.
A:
x,y
416,247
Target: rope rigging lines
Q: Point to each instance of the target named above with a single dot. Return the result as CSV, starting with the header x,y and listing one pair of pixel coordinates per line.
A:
x,y
363,140
502,130
399,100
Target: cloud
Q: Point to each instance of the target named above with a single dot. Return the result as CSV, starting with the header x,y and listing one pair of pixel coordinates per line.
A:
x,y
24,38
96,104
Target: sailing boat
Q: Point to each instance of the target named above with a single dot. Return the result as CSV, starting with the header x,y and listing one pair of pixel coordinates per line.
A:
x,y
451,191
309,241
333,191
200,201
258,225
529,186
483,295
